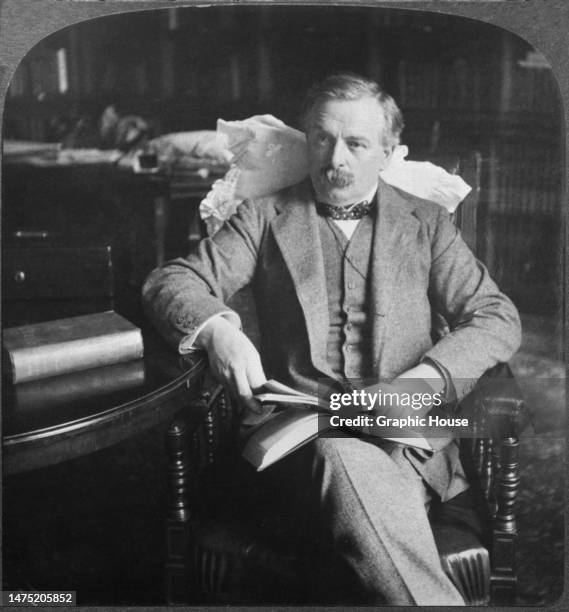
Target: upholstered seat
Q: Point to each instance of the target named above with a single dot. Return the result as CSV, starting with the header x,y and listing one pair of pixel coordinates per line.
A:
x,y
257,555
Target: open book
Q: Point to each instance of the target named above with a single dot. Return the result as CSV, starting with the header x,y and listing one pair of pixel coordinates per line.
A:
x,y
290,420
275,392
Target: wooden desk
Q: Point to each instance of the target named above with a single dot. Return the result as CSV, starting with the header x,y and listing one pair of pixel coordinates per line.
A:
x,y
77,523
49,430
145,218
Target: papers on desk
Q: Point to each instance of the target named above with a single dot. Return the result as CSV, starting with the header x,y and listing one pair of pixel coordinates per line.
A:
x,y
51,154
88,156
11,148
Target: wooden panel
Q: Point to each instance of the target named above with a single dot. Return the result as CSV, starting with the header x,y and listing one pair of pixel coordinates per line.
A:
x,y
56,272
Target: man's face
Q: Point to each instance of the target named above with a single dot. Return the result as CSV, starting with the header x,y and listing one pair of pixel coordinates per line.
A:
x,y
345,151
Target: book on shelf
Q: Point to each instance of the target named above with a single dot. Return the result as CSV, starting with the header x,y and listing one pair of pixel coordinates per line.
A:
x,y
289,419
51,348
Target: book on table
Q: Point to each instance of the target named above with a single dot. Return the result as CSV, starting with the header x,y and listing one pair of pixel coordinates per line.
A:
x,y
290,419
65,389
41,350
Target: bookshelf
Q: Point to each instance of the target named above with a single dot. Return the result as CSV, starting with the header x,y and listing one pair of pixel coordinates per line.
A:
x,y
462,84
264,58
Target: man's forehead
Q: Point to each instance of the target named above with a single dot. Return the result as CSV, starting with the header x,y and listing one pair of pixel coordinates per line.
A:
x,y
361,114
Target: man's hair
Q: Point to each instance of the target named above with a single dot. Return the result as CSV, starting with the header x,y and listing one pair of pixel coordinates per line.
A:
x,y
349,86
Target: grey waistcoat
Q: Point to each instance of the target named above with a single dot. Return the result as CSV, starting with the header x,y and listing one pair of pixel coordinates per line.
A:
x,y
346,265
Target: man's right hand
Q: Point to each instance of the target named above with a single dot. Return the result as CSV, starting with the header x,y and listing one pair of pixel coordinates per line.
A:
x,y
234,360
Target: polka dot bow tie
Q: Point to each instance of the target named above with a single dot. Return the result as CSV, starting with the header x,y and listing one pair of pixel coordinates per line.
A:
x,y
345,213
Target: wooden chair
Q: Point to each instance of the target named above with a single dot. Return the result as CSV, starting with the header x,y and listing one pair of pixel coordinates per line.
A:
x,y
221,548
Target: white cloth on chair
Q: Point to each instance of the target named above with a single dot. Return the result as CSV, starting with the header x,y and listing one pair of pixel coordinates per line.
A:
x,y
267,155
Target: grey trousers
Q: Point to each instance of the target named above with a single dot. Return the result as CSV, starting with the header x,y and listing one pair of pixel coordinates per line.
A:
x,y
367,507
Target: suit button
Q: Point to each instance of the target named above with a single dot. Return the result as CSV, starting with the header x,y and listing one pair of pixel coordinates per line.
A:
x,y
349,327
351,285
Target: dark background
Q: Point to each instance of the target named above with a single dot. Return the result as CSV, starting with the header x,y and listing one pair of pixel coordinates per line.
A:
x,y
463,85
95,524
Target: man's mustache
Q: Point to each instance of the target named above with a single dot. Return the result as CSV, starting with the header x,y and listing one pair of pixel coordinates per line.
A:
x,y
337,177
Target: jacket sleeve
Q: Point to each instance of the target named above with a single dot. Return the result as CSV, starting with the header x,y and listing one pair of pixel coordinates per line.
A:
x,y
182,294
484,324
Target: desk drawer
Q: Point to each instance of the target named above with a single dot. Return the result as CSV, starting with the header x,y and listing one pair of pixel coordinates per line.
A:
x,y
56,272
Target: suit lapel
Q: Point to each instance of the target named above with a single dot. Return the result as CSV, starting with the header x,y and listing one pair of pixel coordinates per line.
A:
x,y
395,230
297,235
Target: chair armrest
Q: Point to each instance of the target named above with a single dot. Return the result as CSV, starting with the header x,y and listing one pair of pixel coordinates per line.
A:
x,y
496,407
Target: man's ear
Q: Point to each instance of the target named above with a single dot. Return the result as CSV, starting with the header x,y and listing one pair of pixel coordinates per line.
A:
x,y
388,151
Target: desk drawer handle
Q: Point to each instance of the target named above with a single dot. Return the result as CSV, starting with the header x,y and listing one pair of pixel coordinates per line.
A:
x,y
19,277
31,234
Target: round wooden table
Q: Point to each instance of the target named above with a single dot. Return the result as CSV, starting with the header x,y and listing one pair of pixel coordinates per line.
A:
x,y
54,420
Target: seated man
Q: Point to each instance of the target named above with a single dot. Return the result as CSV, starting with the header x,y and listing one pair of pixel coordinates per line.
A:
x,y
346,271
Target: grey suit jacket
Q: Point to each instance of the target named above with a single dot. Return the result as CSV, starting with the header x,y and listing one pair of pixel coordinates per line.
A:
x,y
419,264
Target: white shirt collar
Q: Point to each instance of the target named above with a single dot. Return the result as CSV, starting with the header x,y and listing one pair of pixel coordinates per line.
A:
x,y
348,226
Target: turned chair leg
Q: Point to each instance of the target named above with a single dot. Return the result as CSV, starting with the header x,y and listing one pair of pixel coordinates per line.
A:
x,y
176,574
504,533
184,452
